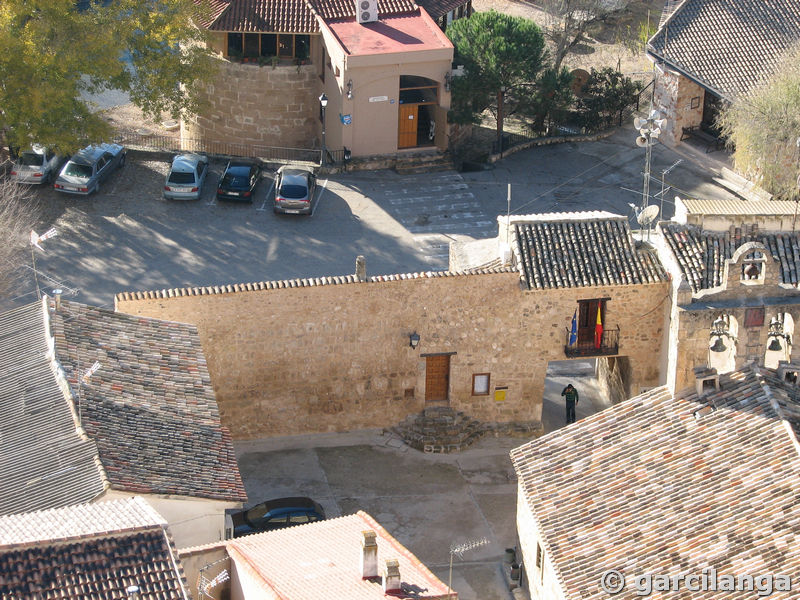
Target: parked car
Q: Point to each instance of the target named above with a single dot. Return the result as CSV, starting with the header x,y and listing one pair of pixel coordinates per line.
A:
x,y
87,169
36,166
239,180
275,514
186,177
294,190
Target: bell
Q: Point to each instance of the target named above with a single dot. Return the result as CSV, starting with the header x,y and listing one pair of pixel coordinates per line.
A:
x,y
718,346
775,345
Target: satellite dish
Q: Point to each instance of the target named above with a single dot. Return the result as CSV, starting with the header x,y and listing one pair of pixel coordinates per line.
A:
x,y
647,215
641,141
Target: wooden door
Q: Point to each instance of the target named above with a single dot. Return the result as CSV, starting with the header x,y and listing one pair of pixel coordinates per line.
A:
x,y
437,378
587,320
407,126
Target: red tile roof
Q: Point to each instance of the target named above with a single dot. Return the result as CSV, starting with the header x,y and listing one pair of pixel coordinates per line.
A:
x,y
322,560
346,9
280,16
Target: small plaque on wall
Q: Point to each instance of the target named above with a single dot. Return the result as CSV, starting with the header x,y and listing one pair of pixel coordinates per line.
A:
x,y
696,102
500,394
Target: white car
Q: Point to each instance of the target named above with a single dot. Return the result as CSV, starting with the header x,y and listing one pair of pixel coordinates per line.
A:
x,y
186,177
87,169
36,166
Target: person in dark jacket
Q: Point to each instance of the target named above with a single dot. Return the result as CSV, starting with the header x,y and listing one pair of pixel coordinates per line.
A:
x,y
571,396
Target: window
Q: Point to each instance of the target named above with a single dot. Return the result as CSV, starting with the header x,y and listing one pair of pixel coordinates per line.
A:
x,y
251,41
286,46
480,384
283,45
269,44
234,44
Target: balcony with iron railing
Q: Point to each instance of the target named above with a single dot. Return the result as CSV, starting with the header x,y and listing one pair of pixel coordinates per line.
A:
x,y
609,345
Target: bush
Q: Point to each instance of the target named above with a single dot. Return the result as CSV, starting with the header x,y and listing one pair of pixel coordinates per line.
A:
x,y
606,94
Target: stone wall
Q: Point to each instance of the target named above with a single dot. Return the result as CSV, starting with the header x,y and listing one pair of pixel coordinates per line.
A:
x,y
258,105
613,375
680,101
313,357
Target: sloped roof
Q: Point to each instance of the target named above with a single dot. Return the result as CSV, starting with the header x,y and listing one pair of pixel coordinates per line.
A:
x,y
727,46
44,463
281,16
701,254
439,8
579,250
322,560
346,9
150,407
738,207
64,553
645,487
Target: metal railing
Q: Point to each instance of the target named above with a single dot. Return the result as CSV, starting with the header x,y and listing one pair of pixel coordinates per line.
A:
x,y
609,345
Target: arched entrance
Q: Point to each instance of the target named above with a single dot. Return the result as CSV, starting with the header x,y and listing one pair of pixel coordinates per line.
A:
x,y
419,97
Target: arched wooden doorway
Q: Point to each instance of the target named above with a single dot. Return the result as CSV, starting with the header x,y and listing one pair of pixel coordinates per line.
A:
x,y
419,97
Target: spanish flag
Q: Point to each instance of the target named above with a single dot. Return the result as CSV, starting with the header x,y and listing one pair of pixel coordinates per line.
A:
x,y
598,329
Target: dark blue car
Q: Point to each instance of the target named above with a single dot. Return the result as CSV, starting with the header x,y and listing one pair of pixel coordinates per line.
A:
x,y
275,514
239,181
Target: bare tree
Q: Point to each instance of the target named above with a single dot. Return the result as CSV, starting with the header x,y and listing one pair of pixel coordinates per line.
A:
x,y
19,211
567,21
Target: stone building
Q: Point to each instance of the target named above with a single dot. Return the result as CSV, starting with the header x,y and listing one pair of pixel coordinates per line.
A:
x,y
700,489
735,296
386,79
707,52
339,353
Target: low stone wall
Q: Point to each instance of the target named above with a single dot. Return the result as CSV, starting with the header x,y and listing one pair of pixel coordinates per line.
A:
x,y
259,105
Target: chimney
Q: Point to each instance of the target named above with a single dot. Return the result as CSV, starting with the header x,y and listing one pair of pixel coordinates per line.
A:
x,y
706,380
57,298
391,576
361,268
369,555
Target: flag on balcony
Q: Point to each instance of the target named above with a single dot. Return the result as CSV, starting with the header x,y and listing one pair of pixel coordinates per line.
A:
x,y
598,329
573,333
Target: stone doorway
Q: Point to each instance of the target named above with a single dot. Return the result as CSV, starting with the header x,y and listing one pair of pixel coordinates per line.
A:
x,y
582,373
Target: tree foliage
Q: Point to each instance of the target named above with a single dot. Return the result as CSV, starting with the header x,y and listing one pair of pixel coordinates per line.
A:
x,y
52,54
764,129
499,52
568,21
606,94
552,99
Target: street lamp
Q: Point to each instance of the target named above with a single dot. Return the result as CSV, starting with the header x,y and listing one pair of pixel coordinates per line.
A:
x,y
649,130
323,102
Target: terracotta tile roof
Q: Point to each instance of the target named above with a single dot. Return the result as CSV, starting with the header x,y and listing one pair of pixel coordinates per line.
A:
x,y
727,46
701,254
77,521
561,250
83,561
738,207
346,9
209,11
322,560
646,487
439,8
150,407
280,16
44,463
296,283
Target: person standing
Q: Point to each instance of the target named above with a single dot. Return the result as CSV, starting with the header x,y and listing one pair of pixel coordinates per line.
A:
x,y
571,396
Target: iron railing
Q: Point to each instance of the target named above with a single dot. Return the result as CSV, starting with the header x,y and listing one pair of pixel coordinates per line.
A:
x,y
609,345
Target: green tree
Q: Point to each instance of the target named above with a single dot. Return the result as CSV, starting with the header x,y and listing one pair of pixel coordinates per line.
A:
x,y
502,57
606,94
552,99
763,127
52,54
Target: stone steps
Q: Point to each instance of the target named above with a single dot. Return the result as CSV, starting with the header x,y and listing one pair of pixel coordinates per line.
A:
x,y
440,430
424,162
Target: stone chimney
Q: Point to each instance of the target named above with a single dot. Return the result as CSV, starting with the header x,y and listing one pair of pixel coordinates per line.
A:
x,y
391,576
369,555
361,268
706,380
57,299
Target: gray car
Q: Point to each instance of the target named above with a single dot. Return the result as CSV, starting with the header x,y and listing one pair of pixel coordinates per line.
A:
x,y
186,177
294,190
36,166
87,169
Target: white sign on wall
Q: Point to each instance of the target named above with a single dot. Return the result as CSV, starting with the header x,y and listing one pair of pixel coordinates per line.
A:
x,y
378,98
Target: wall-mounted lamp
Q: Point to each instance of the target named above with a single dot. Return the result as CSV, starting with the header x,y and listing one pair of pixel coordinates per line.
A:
x,y
413,340
350,89
448,78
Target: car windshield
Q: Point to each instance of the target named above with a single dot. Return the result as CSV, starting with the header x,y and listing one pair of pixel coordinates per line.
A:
x,y
76,170
30,159
233,180
293,186
177,177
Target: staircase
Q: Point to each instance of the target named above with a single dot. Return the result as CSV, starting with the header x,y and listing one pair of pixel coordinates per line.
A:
x,y
440,429
426,161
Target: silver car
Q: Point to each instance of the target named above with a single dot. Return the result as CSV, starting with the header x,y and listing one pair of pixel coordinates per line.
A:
x,y
294,190
186,177
87,169
36,166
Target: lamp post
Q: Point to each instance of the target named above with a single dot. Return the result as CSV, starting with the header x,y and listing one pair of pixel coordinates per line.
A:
x,y
323,102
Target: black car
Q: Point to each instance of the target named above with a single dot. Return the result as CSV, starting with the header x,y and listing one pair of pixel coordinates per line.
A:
x,y
239,180
276,514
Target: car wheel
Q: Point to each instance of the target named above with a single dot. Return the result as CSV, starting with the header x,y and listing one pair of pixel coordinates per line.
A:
x,y
275,210
97,188
122,161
